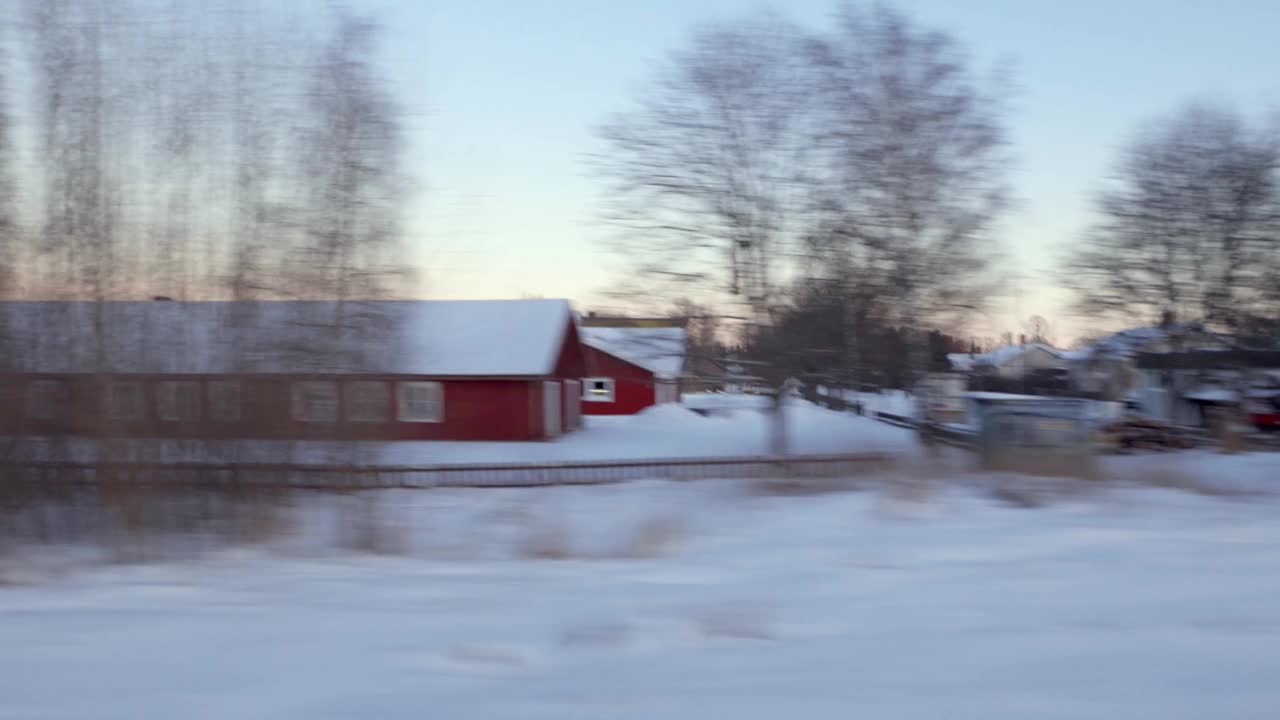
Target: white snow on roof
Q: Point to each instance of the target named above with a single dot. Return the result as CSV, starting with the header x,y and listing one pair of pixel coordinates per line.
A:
x,y
997,357
659,350
979,395
418,337
1213,394
1127,343
1002,355
485,337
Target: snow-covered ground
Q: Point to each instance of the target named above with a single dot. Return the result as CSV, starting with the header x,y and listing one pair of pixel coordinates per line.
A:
x,y
925,598
663,431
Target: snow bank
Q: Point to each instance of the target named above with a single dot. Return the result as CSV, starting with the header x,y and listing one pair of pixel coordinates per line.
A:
x,y
895,402
672,431
725,401
661,431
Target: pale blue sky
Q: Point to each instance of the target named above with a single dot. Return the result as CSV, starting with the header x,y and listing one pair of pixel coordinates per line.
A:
x,y
503,95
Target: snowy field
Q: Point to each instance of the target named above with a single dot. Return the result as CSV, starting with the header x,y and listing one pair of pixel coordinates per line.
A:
x,y
915,594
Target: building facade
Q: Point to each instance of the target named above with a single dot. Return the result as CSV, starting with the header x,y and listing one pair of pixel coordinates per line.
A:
x,y
631,368
381,371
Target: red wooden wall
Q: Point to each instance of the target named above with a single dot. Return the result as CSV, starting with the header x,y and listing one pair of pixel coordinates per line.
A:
x,y
633,386
495,409
474,408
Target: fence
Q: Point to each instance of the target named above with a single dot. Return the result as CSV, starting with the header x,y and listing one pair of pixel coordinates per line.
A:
x,y
343,477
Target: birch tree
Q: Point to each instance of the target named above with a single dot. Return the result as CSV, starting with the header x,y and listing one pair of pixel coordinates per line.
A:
x,y
353,191
913,147
705,171
1188,224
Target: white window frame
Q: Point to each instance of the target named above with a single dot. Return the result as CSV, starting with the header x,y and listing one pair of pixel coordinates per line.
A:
x,y
223,400
304,392
359,395
420,401
137,412
47,399
167,406
609,395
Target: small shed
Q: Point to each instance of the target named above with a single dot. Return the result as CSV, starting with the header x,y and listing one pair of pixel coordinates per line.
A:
x,y
1034,434
631,368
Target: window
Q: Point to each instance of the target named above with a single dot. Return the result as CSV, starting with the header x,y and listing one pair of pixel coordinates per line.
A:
x,y
125,401
47,399
178,400
315,401
597,389
420,402
224,400
368,401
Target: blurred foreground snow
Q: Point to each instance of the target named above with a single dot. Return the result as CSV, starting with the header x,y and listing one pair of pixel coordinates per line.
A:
x,y
909,599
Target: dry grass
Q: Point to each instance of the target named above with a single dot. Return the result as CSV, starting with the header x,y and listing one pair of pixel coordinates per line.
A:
x,y
655,537
169,518
1048,465
364,525
803,486
1175,479
483,654
738,622
547,541
595,635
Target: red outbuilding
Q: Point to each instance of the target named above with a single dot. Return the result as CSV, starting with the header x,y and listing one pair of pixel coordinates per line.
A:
x,y
632,368
305,370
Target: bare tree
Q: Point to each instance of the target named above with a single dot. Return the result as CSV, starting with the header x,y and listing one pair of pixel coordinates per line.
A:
x,y
353,192
1188,225
914,159
705,171
869,161
1039,330
9,227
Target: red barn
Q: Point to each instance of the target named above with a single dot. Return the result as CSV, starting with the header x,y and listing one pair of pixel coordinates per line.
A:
x,y
632,368
307,370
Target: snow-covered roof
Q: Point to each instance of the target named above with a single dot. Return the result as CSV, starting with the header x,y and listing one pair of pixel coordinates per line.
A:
x,y
1127,343
1213,394
997,357
659,350
980,395
1002,355
416,337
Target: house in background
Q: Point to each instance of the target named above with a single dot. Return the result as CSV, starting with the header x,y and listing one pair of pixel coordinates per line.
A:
x,y
1105,367
412,370
1011,362
1192,387
632,368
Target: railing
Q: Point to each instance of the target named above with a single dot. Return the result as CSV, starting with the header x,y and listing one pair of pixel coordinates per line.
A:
x,y
351,477
941,433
